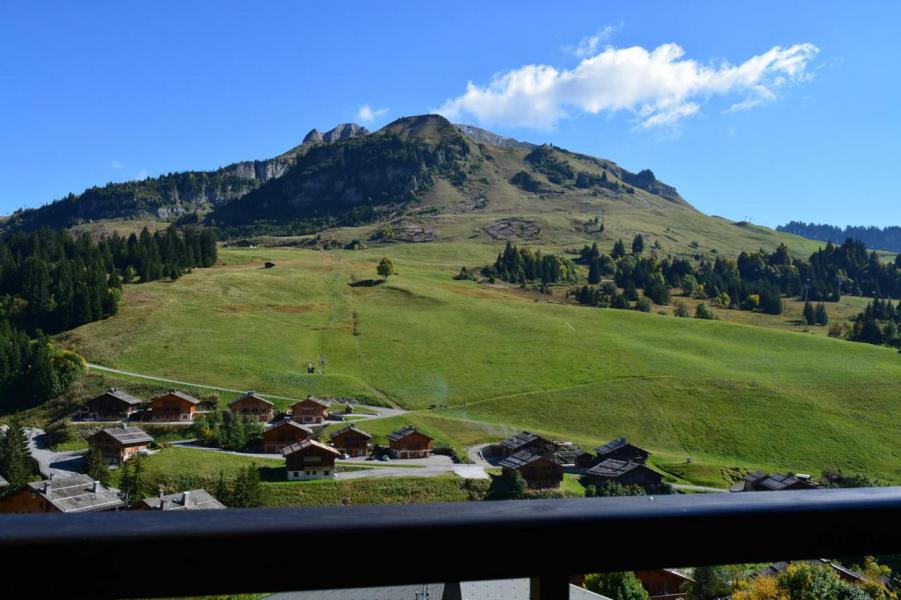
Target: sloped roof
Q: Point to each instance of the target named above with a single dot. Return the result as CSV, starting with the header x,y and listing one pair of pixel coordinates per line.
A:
x,y
320,401
179,394
196,500
521,439
127,436
287,423
775,481
346,429
120,395
76,494
614,445
3,482
614,468
524,457
250,396
402,433
305,445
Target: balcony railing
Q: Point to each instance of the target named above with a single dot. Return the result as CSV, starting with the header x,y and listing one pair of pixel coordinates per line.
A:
x,y
119,555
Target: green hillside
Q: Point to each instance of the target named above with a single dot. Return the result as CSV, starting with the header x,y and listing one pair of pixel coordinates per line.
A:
x,y
720,392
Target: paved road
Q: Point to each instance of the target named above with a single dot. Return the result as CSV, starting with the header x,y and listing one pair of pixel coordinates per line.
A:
x,y
52,463
476,455
381,410
696,488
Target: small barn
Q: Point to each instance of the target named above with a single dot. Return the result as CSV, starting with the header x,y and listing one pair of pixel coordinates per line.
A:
x,y
409,443
112,405
310,410
174,405
625,473
524,441
283,434
118,444
621,449
251,406
352,441
776,482
309,459
199,499
539,471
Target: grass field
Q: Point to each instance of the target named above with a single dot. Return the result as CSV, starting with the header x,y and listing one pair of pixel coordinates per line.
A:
x,y
724,393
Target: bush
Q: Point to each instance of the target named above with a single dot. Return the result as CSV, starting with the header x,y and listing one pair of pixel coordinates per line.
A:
x,y
680,309
703,312
643,305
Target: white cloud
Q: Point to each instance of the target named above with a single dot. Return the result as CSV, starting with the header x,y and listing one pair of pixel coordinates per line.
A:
x,y
116,165
142,174
588,46
367,114
659,87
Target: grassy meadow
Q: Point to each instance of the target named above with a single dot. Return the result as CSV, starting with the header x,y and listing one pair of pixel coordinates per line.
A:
x,y
476,362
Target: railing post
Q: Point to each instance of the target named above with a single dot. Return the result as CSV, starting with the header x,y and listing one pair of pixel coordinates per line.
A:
x,y
549,587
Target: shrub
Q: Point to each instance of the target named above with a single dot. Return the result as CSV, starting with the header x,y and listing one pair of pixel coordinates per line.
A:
x,y
703,312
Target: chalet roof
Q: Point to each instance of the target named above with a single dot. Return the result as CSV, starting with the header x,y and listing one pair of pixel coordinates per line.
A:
x,y
613,445
189,500
524,457
250,396
183,395
288,423
775,481
307,444
319,401
3,482
614,468
347,429
127,436
402,433
120,395
521,439
77,494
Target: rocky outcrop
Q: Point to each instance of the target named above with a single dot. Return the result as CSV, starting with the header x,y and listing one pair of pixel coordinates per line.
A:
x,y
344,131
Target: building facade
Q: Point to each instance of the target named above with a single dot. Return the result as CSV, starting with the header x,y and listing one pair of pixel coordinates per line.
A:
x,y
310,411
409,443
118,444
284,434
352,441
309,459
174,406
251,406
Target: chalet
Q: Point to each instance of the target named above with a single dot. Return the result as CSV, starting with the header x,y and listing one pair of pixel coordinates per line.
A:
x,y
625,473
409,443
310,410
75,494
539,471
777,482
621,449
664,583
284,434
352,441
309,459
118,444
253,407
174,406
112,405
524,441
190,500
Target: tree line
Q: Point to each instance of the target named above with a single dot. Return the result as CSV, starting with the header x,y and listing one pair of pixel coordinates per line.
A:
x,y
888,238
522,265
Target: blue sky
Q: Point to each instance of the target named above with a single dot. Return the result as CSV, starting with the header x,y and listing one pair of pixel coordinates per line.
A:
x,y
765,111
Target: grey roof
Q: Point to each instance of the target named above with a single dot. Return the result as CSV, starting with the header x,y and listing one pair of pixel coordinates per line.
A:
x,y
76,494
524,457
120,395
305,444
189,500
183,395
613,468
3,482
521,439
319,401
127,436
250,395
499,589
335,434
775,481
614,445
402,433
289,423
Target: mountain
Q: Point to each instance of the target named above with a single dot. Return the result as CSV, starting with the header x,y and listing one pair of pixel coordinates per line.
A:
x,y
483,136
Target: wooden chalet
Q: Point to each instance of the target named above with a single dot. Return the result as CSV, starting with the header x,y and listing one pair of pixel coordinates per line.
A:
x,y
621,449
539,471
118,444
309,459
409,443
524,441
663,584
111,405
251,406
776,482
283,434
352,441
75,494
189,500
311,410
173,406
625,473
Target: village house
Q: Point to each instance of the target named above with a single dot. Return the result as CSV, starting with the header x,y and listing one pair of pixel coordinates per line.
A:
x,y
621,449
310,410
111,405
309,459
539,471
352,441
409,443
118,444
777,482
663,584
284,433
626,473
524,441
75,494
189,500
251,406
174,406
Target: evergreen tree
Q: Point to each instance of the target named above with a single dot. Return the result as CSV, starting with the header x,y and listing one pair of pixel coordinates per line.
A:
x,y
809,316
132,483
822,318
594,271
16,464
620,585
709,583
247,491
619,250
638,244
385,268
96,467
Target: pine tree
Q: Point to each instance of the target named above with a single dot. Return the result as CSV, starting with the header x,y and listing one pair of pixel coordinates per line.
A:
x,y
821,317
96,467
594,271
809,316
619,250
16,464
247,491
638,244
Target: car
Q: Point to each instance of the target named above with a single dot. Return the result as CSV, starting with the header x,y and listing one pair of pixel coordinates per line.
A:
x,y
384,458
345,456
